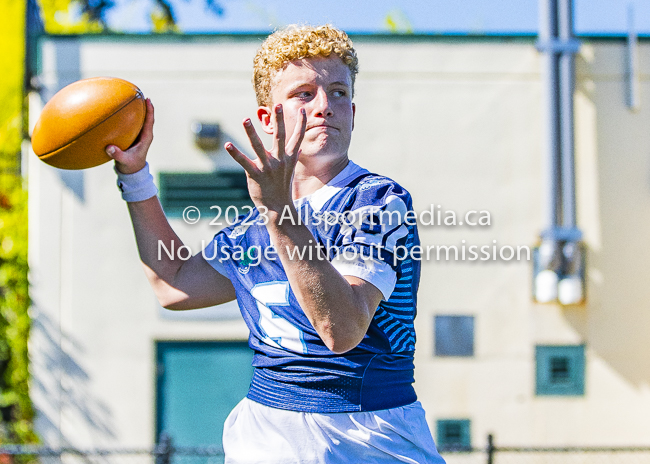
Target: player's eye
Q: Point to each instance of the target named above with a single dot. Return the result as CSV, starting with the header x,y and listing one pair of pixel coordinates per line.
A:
x,y
304,94
339,93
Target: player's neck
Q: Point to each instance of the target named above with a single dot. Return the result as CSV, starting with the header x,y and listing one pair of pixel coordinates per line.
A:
x,y
312,174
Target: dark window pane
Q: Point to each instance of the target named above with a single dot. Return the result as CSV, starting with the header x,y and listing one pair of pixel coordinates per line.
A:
x,y
454,335
453,434
217,195
560,371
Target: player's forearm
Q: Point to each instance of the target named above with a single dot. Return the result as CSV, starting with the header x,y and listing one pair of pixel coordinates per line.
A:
x,y
152,232
333,306
178,284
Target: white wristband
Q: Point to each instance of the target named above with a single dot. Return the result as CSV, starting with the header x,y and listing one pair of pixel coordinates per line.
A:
x,y
138,186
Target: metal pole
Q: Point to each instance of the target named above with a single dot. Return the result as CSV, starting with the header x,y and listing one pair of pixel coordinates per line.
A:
x,y
548,29
490,449
632,62
567,79
554,279
164,450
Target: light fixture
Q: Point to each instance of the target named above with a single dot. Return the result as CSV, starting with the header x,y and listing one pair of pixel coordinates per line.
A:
x,y
207,136
559,271
571,288
547,270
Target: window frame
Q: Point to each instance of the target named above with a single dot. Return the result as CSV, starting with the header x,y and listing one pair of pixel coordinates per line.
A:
x,y
571,384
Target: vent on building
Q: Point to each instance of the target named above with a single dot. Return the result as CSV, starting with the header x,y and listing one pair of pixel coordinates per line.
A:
x,y
560,370
454,335
453,434
214,193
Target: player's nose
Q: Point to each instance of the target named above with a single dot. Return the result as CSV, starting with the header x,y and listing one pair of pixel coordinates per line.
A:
x,y
322,106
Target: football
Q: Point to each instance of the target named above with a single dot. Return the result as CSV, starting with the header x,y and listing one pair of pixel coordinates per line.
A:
x,y
80,120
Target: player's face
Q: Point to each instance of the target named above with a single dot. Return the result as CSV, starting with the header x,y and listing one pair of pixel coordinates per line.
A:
x,y
323,87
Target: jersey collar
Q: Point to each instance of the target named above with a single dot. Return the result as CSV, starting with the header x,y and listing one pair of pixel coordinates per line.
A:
x,y
318,199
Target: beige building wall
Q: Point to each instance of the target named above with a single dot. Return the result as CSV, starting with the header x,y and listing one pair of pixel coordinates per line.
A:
x,y
457,122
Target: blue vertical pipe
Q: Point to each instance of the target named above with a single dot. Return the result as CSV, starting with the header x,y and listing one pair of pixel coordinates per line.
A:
x,y
632,62
567,85
548,31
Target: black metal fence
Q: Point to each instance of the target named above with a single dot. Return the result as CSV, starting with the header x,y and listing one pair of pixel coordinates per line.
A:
x,y
163,453
570,455
166,453
493,454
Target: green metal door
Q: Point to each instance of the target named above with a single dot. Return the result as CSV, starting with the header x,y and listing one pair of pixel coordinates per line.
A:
x,y
198,384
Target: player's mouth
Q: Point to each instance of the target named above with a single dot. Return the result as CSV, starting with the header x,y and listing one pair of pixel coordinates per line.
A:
x,y
321,126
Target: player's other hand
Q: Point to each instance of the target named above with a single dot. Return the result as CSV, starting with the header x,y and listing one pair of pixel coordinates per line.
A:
x,y
270,175
135,157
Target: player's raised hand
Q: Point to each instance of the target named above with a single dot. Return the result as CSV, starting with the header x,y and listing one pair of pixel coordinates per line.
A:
x,y
270,175
134,158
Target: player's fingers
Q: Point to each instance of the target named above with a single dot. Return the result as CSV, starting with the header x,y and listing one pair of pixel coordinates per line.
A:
x,y
115,153
140,146
293,146
145,137
136,154
146,134
280,133
242,159
125,162
256,143
121,156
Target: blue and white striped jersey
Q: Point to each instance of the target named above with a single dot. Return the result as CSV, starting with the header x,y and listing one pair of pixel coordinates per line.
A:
x,y
359,220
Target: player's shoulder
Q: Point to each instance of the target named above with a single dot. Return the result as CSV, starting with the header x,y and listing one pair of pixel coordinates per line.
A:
x,y
378,188
373,181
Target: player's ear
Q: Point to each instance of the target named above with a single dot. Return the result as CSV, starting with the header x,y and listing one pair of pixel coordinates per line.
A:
x,y
264,115
354,110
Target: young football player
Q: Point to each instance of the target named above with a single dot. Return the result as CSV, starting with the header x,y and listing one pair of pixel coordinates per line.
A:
x,y
330,302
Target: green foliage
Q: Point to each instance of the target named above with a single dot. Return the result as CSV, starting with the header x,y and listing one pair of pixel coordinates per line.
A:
x,y
398,23
70,17
88,16
15,403
16,410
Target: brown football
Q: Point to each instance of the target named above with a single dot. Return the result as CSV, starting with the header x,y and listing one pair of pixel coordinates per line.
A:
x,y
81,119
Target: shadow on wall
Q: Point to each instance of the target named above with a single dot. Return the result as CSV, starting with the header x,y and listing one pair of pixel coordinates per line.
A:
x,y
75,181
614,198
62,384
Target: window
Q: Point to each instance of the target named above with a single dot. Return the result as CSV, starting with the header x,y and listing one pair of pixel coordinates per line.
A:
x,y
178,190
454,335
453,434
560,370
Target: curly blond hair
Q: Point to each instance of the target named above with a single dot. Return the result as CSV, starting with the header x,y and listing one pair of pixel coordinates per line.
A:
x,y
294,43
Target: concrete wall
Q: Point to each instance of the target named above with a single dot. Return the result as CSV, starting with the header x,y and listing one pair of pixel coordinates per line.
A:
x,y
457,122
